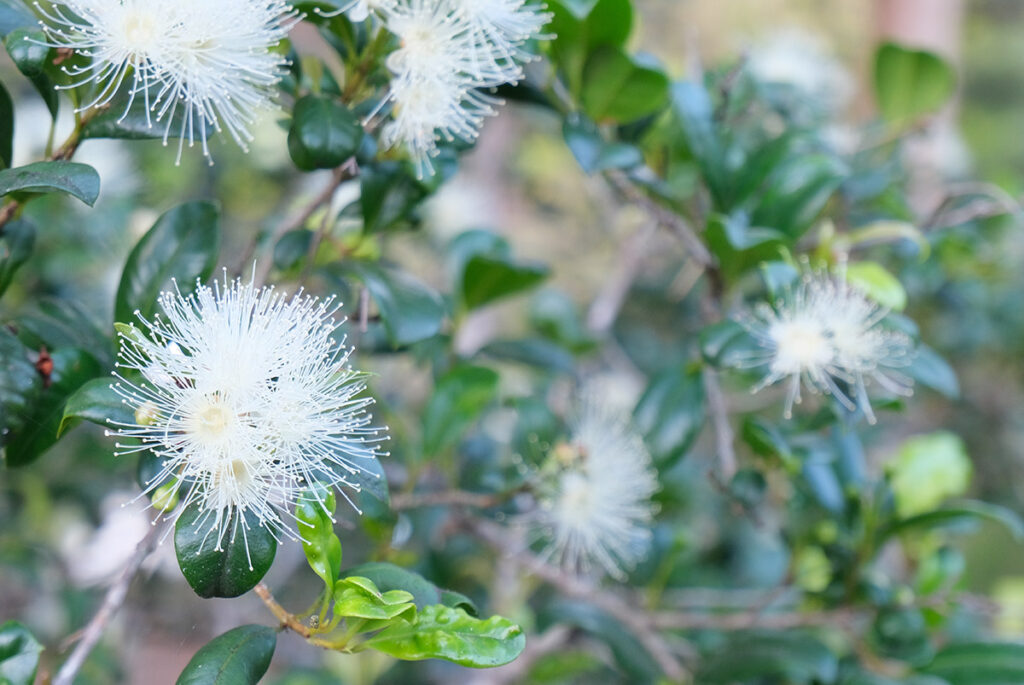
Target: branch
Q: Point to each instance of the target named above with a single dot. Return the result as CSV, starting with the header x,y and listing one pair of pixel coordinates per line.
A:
x,y
606,306
287,619
720,421
108,609
745,620
445,498
665,218
629,613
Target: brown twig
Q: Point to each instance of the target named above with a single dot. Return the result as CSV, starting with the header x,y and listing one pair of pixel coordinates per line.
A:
x,y
746,620
108,609
445,498
287,619
665,218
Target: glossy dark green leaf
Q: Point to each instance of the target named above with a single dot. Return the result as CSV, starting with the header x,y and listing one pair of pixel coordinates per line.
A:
x,y
592,151
315,515
411,310
792,656
932,371
72,367
14,15
692,105
797,193
388,577
61,322
30,54
16,243
19,654
490,278
459,399
440,632
247,551
537,352
132,121
581,26
78,180
965,511
240,656
910,83
324,133
97,403
6,127
181,247
979,663
617,88
670,414
388,195
20,384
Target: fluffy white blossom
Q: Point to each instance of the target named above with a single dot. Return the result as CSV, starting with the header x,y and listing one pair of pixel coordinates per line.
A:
x,y
597,507
826,335
449,50
249,398
209,63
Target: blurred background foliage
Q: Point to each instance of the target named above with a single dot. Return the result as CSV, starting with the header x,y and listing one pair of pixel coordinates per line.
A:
x,y
784,521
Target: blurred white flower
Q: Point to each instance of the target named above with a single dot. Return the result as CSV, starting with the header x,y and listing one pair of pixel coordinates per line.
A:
x,y
249,398
803,61
447,53
210,62
826,335
597,509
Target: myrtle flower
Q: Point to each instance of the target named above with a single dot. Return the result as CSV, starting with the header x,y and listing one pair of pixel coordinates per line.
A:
x,y
827,336
597,507
249,398
449,53
358,10
208,62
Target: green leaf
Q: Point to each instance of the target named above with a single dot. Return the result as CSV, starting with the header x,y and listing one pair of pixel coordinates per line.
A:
x,y
78,180
29,52
411,310
388,194
878,284
797,193
536,352
979,663
792,656
617,88
6,127
910,83
440,632
692,105
315,515
324,133
966,511
72,367
359,597
670,414
134,121
580,26
459,399
388,577
238,657
457,600
181,247
247,550
931,370
19,654
488,278
590,149
20,384
95,402
927,470
16,243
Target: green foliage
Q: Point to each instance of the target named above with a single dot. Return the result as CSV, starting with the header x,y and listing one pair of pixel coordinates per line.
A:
x,y
19,654
910,83
16,243
323,134
440,632
978,663
671,414
181,247
226,566
315,514
29,53
238,657
96,402
78,180
616,87
6,128
459,399
792,656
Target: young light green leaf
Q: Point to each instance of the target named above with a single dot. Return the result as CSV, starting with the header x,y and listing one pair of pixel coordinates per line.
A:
x,y
315,515
910,83
440,632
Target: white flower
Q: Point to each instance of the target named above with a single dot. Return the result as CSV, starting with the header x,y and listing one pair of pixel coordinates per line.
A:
x,y
358,10
827,336
448,51
209,62
249,398
598,508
